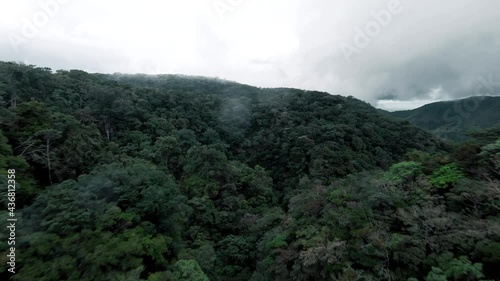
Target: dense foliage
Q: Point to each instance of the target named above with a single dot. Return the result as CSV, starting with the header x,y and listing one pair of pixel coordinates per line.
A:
x,y
134,177
455,119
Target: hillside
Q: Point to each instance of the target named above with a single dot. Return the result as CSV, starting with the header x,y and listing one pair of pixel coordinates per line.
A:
x,y
172,177
452,119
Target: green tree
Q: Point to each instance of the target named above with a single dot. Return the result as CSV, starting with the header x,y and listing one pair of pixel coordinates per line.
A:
x,y
491,157
188,270
404,171
446,176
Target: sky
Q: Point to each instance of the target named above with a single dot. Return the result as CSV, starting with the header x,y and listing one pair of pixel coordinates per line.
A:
x,y
394,54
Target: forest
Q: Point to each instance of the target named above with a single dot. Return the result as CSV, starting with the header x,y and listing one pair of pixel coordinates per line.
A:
x,y
454,119
170,177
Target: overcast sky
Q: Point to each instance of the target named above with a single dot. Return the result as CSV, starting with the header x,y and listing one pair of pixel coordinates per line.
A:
x,y
393,54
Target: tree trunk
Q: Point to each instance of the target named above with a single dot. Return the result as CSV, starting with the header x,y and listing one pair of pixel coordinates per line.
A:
x,y
13,101
107,129
48,160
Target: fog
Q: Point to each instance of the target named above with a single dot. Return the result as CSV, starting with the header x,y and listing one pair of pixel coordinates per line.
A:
x,y
393,54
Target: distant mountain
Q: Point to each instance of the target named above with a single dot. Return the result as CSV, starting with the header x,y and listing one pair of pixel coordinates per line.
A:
x,y
453,119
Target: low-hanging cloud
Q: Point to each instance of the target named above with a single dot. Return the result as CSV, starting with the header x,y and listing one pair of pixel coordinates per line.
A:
x,y
427,51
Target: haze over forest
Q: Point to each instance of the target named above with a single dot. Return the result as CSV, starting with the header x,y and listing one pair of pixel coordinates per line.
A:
x,y
238,140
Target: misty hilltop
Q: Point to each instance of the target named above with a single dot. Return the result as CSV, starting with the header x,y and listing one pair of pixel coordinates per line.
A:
x,y
172,177
238,140
453,119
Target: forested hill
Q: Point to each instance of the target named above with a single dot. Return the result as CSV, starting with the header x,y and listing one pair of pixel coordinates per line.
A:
x,y
290,131
453,119
171,177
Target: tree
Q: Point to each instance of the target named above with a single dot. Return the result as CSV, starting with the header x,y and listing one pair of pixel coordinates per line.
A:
x,y
491,157
49,136
404,171
452,268
188,270
446,176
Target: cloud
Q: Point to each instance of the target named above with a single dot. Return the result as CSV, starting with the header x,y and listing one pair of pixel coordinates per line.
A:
x,y
429,51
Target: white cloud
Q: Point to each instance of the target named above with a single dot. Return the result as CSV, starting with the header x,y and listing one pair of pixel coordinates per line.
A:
x,y
430,45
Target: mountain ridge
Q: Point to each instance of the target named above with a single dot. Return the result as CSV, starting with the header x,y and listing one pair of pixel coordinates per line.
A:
x,y
455,118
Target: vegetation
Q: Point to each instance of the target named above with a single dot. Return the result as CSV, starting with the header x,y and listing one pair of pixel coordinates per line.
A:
x,y
453,120
134,177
